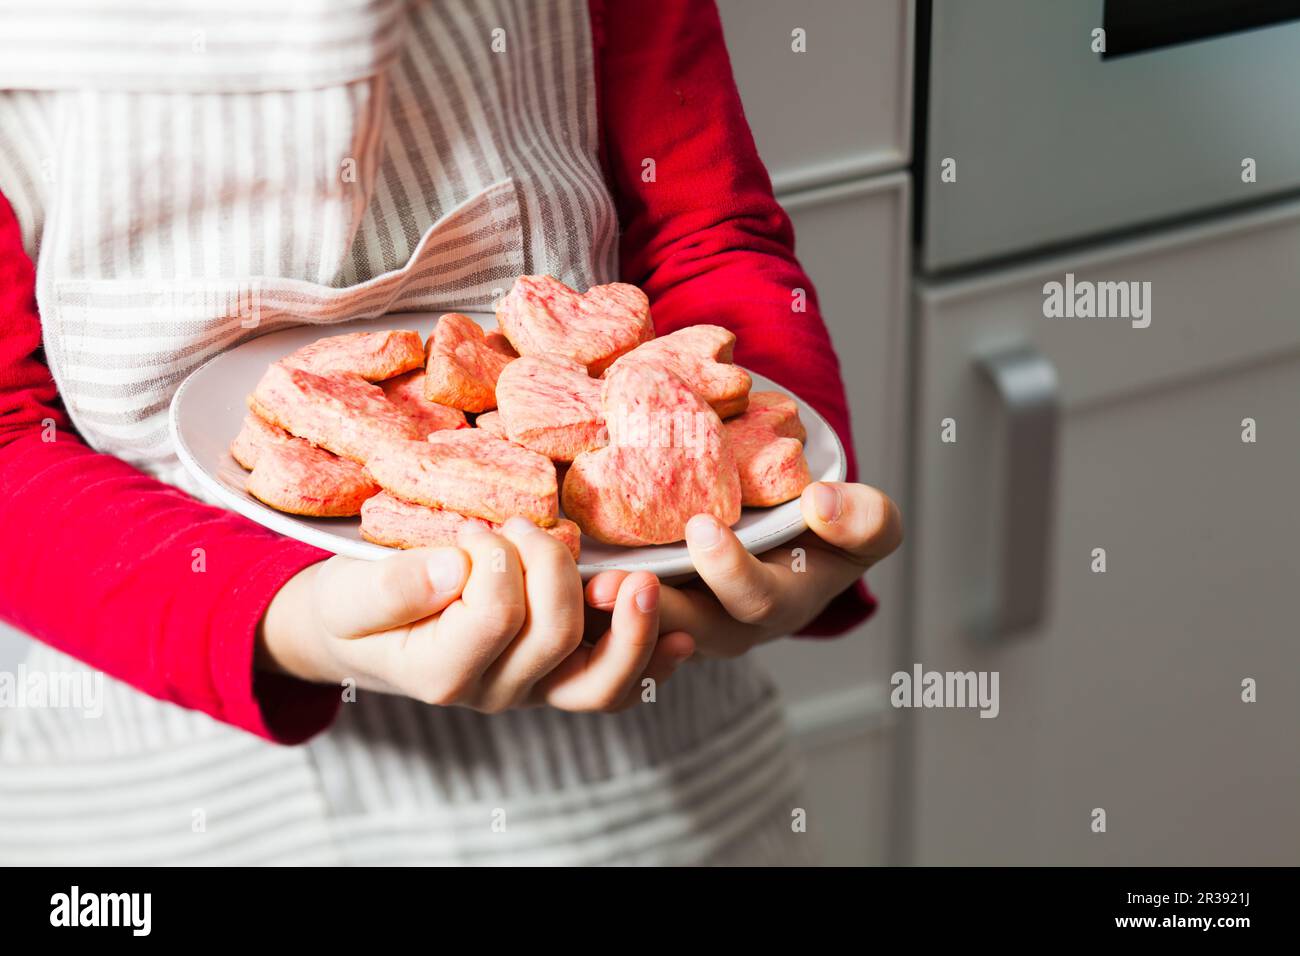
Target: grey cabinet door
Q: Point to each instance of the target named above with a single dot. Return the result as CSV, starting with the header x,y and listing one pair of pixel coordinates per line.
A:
x,y
839,108
1128,697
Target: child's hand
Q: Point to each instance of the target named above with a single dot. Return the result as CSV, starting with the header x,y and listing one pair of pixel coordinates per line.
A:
x,y
493,624
741,600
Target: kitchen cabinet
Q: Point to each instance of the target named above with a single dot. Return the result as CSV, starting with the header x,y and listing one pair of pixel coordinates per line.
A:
x,y
839,109
844,796
1127,696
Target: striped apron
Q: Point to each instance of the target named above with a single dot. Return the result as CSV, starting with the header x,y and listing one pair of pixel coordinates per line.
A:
x,y
170,162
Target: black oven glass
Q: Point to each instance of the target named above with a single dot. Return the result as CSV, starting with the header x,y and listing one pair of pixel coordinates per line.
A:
x,y
1135,26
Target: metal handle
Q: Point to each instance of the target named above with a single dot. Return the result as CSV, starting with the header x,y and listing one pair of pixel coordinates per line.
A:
x,y
1026,385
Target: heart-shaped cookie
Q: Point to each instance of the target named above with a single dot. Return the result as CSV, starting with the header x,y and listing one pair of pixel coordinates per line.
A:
x,y
541,315
496,339
372,355
490,422
776,411
668,459
469,471
253,437
463,364
700,355
390,521
292,475
767,441
550,404
407,392
299,478
341,413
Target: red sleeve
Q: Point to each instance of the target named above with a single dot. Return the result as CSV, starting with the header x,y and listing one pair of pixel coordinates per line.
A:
x,y
705,237
99,560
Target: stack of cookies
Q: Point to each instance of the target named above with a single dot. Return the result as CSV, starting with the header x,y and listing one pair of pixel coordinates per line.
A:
x,y
573,403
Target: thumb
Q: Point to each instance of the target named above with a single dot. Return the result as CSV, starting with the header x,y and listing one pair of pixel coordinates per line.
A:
x,y
859,520
356,598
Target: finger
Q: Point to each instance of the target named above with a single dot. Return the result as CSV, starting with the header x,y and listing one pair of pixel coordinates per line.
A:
x,y
859,520
492,608
356,598
743,585
717,633
599,677
602,590
553,628
673,650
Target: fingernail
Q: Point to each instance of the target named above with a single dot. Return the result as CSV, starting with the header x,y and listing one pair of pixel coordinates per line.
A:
x,y
703,532
647,599
473,530
602,593
446,571
518,525
827,502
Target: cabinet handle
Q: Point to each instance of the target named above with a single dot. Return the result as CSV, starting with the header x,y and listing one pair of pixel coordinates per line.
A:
x,y
1029,404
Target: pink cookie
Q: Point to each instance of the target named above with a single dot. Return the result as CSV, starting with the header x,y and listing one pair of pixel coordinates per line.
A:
x,y
252,438
700,355
372,355
542,315
301,479
341,413
668,459
407,392
469,471
491,423
777,411
497,340
463,364
391,521
768,443
550,404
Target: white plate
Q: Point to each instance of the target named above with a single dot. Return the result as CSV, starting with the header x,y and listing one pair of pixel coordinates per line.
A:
x,y
208,408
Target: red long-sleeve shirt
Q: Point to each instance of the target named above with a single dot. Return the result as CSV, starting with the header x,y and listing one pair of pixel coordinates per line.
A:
x,y
98,559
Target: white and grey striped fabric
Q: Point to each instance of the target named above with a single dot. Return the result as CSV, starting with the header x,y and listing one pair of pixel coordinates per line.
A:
x,y
702,775
150,45
191,174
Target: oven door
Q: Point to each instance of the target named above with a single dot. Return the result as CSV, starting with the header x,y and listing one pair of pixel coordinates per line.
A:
x,y
1036,138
